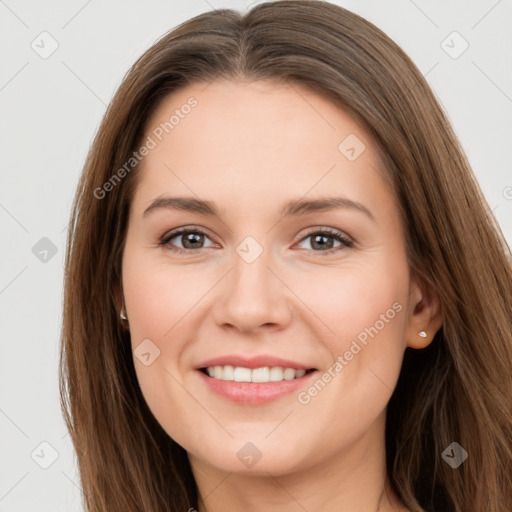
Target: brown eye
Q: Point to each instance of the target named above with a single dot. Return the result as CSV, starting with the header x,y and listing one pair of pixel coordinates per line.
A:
x,y
190,240
324,240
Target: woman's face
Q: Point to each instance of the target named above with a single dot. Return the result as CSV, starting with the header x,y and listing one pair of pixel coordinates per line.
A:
x,y
259,280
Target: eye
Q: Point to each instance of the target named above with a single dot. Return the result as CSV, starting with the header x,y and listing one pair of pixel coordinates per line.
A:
x,y
190,238
194,238
321,238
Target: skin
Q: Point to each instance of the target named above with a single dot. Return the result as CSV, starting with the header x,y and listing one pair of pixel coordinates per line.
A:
x,y
250,147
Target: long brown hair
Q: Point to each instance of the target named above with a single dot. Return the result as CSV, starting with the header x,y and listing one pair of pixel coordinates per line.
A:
x,y
459,388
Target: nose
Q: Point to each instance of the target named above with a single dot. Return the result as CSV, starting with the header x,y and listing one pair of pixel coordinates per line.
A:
x,y
253,296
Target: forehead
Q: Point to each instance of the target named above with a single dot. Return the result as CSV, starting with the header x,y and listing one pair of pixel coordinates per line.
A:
x,y
252,114
250,141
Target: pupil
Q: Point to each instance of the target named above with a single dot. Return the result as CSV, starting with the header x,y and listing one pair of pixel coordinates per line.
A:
x,y
192,238
321,245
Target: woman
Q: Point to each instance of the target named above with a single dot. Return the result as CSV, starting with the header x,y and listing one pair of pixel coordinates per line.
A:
x,y
284,287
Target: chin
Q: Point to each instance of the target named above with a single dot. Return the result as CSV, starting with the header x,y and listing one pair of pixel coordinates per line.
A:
x,y
254,458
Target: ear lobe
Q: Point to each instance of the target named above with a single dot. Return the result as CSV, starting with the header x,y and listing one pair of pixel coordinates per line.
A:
x,y
118,294
425,318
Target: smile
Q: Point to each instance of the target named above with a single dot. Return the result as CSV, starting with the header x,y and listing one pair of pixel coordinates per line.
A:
x,y
257,388
259,375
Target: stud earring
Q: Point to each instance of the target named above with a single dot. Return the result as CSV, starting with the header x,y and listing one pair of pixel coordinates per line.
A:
x,y
122,315
423,334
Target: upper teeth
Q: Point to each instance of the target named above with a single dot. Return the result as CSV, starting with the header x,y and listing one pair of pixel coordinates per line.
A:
x,y
265,374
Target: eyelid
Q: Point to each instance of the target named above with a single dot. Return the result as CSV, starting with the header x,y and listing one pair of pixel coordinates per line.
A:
x,y
164,240
326,229
345,240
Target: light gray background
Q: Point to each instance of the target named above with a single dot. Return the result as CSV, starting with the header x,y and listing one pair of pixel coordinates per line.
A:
x,y
52,107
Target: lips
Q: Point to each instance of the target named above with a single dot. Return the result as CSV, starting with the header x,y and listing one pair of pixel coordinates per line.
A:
x,y
253,362
253,394
249,391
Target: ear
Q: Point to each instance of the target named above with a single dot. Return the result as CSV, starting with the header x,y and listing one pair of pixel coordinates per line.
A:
x,y
118,294
425,314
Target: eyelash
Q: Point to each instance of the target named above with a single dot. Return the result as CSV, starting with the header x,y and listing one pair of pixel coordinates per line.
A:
x,y
331,233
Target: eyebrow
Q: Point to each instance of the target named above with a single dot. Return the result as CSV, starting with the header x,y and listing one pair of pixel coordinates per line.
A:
x,y
295,207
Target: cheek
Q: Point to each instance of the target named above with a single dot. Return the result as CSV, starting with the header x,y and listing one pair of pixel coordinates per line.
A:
x,y
348,301
366,316
157,295
155,305
363,320
161,302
